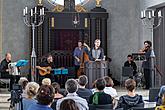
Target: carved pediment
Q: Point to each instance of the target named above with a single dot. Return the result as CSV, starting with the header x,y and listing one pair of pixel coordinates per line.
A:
x,y
60,8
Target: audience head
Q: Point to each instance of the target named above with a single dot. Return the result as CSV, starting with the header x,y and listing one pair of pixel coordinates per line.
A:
x,y
68,104
46,81
45,94
8,56
109,81
130,85
56,87
23,81
100,84
71,85
83,80
32,89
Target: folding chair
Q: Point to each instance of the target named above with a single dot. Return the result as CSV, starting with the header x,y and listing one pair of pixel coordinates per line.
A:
x,y
5,81
126,72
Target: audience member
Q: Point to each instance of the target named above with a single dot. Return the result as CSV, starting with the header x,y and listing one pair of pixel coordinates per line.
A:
x,y
71,87
109,87
82,91
23,81
68,104
100,97
56,87
162,106
46,81
57,95
31,91
44,97
131,99
161,92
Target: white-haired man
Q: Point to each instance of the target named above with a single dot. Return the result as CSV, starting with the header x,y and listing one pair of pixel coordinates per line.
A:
x,y
71,87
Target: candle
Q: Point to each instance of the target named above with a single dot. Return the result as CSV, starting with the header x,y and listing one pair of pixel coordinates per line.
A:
x,y
23,12
141,14
159,13
43,11
31,12
35,10
144,13
153,14
26,10
40,11
149,14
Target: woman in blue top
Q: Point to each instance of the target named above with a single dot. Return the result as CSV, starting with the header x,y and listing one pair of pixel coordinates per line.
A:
x,y
31,91
44,97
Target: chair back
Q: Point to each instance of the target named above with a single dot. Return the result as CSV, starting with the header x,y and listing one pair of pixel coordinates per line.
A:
x,y
153,94
142,108
95,107
127,107
127,71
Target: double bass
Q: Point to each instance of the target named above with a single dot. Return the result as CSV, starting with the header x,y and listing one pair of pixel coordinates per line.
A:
x,y
84,58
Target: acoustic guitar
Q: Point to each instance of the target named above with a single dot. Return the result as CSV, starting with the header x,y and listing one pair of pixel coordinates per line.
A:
x,y
44,70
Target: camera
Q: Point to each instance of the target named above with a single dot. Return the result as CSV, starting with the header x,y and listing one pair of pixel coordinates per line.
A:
x,y
16,95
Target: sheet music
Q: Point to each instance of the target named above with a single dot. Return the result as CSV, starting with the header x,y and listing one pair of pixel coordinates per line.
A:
x,y
13,70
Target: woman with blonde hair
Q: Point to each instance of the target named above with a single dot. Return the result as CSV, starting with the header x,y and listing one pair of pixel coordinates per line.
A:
x,y
31,91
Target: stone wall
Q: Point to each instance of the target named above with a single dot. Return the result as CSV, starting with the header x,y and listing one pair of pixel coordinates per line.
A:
x,y
125,31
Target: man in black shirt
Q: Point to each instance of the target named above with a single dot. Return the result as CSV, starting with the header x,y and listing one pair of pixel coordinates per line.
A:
x,y
131,63
5,70
48,64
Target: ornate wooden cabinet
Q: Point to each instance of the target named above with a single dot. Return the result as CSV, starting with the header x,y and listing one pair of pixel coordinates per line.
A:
x,y
59,34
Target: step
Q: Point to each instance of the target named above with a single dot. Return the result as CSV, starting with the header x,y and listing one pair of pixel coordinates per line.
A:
x,y
4,106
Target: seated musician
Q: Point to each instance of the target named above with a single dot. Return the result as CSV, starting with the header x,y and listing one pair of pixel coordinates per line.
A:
x,y
45,68
131,63
97,53
5,70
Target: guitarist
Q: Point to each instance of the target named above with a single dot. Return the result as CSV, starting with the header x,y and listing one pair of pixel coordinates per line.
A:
x,y
48,64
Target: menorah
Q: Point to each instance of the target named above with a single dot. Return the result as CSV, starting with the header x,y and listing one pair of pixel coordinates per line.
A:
x,y
33,19
148,19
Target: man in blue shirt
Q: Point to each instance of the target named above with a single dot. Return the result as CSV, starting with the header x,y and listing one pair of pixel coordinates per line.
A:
x,y
78,52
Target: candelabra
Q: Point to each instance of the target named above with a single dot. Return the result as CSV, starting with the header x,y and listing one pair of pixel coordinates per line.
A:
x,y
148,20
148,17
32,20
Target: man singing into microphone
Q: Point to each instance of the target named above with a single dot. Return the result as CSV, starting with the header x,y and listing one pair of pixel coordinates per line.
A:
x,y
97,53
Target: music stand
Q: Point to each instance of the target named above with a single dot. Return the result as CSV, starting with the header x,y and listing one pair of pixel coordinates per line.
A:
x,y
21,63
138,56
